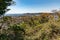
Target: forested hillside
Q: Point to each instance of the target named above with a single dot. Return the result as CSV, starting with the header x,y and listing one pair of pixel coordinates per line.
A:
x,y
37,27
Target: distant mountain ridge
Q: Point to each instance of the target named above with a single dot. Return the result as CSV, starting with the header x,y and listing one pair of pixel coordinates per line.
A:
x,y
25,14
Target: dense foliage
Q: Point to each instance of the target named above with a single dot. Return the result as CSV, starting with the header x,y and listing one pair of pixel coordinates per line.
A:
x,y
41,27
3,6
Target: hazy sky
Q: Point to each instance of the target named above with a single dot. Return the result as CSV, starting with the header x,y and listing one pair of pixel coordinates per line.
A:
x,y
24,6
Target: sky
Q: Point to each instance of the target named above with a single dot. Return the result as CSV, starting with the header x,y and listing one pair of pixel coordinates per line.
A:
x,y
34,6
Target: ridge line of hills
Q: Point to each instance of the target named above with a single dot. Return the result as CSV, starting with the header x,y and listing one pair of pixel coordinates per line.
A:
x,y
26,14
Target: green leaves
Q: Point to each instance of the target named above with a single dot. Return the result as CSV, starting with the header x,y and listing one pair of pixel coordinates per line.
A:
x,y
3,6
31,28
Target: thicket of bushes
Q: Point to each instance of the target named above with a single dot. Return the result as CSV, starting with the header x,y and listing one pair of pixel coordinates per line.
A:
x,y
32,28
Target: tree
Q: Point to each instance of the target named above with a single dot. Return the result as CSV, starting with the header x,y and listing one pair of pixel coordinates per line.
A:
x,y
3,7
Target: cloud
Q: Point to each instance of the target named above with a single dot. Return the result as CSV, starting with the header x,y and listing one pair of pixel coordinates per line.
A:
x,y
20,9
26,10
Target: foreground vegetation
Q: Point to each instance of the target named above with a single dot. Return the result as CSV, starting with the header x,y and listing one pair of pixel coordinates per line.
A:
x,y
42,27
